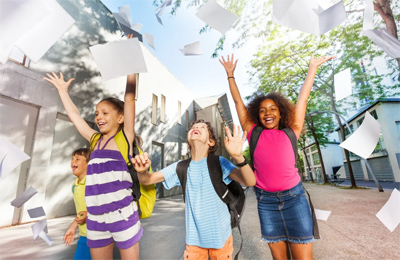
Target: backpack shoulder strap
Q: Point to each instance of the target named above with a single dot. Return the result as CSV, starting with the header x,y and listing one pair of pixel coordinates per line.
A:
x,y
94,139
292,137
123,146
255,135
181,171
215,171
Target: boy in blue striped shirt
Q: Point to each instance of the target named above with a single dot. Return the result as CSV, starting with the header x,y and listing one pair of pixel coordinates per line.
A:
x,y
208,227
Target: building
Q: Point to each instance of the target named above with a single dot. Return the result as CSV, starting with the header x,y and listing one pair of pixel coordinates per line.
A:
x,y
32,116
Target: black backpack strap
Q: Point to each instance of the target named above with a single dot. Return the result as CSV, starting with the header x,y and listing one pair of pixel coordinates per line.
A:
x,y
181,171
255,135
292,137
314,218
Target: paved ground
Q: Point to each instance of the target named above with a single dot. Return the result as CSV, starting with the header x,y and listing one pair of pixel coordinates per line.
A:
x,y
351,232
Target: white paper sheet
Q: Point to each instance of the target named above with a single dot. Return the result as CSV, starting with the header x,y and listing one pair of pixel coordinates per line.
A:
x,y
216,16
385,41
159,19
128,31
308,16
368,23
23,197
137,27
122,19
125,10
192,49
363,141
389,215
342,82
46,238
39,39
40,226
149,38
117,59
322,214
36,212
161,7
12,157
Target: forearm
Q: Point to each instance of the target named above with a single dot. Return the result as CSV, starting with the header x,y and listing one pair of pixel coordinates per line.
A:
x,y
74,225
130,90
144,178
244,174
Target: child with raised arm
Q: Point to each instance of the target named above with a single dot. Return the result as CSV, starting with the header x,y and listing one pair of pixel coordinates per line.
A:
x,y
285,217
208,227
79,163
112,214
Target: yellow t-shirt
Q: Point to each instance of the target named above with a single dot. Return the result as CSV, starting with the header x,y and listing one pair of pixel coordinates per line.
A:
x,y
78,189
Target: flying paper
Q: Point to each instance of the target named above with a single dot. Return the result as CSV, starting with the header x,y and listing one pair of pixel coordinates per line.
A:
x,y
36,212
127,12
192,49
389,215
10,157
125,22
342,84
216,16
149,38
308,16
159,19
46,238
23,197
137,27
322,214
161,7
117,59
363,141
40,226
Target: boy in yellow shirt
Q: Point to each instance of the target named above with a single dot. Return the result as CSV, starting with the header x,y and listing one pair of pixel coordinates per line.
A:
x,y
79,163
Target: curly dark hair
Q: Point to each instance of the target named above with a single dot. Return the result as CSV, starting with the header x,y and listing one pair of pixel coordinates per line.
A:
x,y
211,132
286,109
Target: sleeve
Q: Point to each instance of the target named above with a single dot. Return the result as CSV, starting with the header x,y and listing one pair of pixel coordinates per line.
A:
x,y
170,176
227,168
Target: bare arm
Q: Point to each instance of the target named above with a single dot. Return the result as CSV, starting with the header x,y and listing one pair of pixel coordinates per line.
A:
x,y
230,67
70,233
142,164
301,105
72,111
234,146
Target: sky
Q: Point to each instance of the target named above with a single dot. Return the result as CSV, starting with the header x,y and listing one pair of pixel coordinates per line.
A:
x,y
202,75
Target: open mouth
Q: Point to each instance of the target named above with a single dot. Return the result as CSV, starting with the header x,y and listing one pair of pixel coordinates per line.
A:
x,y
101,124
195,132
74,167
269,120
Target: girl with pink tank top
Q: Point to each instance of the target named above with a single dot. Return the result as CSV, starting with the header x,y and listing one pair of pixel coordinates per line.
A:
x,y
283,209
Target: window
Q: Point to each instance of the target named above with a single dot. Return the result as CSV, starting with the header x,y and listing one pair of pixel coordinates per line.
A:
x,y
313,148
179,113
316,160
373,113
187,120
19,57
163,109
346,130
380,146
398,127
154,110
360,121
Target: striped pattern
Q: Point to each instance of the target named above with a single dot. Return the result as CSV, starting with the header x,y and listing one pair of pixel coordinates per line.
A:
x,y
207,217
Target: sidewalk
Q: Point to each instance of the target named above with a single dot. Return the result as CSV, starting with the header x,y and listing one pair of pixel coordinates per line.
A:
x,y
351,232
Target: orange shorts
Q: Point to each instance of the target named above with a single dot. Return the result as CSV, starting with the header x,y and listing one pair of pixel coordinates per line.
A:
x,y
199,253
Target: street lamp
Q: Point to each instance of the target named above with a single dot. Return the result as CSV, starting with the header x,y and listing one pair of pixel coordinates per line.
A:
x,y
313,113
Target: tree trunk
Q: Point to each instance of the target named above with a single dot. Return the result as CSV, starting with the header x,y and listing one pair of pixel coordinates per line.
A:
x,y
319,150
308,165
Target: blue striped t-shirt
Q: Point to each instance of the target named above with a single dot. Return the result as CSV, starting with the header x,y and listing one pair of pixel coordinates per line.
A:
x,y
207,217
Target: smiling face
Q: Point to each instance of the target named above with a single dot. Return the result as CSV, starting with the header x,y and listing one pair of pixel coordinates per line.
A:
x,y
107,118
199,133
79,165
269,114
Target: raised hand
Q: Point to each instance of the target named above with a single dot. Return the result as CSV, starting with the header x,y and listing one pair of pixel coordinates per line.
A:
x,y
234,143
315,63
229,65
141,162
58,81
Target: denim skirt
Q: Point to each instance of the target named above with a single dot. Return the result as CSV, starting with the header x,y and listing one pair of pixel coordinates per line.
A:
x,y
285,215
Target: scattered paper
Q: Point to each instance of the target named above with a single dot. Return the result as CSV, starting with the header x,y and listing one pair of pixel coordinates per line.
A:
x,y
126,10
159,19
126,25
128,31
308,16
389,215
368,23
46,238
216,16
363,141
322,214
385,40
342,82
36,212
161,7
40,226
23,197
192,49
117,59
137,27
10,157
149,38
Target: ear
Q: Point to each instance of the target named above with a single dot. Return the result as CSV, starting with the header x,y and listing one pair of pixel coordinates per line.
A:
x,y
120,119
211,142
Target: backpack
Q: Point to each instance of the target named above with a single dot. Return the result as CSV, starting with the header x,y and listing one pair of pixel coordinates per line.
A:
x,y
144,196
232,194
255,135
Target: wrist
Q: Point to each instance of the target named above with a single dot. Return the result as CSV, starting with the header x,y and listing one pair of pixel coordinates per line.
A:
x,y
241,161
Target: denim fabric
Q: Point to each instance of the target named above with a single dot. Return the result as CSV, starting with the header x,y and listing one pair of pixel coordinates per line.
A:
x,y
285,215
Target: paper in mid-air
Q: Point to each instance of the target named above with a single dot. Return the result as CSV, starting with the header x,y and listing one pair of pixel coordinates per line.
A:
x,y
160,10
192,49
149,38
307,16
216,16
117,59
342,81
389,215
10,157
36,212
39,229
23,197
322,214
363,141
126,24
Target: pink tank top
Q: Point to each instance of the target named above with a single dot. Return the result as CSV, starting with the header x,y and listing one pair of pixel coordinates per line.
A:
x,y
274,161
